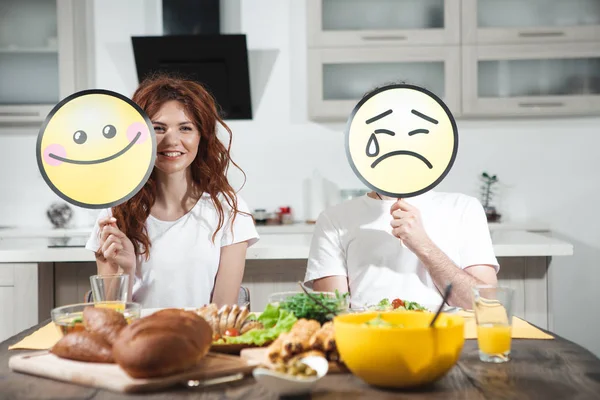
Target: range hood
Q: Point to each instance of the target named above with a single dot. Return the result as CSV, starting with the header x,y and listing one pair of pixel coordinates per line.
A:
x,y
219,62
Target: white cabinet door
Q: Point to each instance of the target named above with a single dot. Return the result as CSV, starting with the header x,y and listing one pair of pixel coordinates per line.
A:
x,y
339,78
362,23
530,21
531,80
18,298
43,56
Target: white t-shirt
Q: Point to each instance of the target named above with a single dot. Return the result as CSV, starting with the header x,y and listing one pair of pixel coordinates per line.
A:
x,y
184,261
354,239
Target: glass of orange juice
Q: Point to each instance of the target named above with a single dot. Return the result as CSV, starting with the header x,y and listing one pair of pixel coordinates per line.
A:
x,y
110,291
493,314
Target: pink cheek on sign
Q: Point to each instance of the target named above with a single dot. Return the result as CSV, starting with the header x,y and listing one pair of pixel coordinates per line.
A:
x,y
133,130
57,150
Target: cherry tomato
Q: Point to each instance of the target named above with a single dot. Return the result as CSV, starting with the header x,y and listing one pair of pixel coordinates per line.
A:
x,y
396,303
232,332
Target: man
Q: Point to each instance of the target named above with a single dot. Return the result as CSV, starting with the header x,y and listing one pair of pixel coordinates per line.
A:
x,y
378,247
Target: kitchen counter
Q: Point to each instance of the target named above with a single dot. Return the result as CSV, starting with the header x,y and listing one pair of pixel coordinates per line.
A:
x,y
507,243
295,228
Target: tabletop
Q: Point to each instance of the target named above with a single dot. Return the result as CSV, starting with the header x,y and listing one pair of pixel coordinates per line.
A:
x,y
539,369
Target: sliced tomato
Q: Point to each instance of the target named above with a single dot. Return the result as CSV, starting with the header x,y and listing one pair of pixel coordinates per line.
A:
x,y
396,303
232,332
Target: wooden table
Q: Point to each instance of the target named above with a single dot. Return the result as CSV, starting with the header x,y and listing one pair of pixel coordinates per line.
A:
x,y
540,369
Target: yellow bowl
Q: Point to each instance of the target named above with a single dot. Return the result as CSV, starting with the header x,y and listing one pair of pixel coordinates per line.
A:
x,y
399,357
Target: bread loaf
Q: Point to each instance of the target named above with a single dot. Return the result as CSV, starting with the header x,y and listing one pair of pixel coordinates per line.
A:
x,y
162,344
104,321
83,346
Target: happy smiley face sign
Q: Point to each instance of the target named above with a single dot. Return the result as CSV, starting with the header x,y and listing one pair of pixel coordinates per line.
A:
x,y
96,149
401,140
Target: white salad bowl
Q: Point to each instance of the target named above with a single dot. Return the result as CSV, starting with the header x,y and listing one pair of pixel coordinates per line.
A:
x,y
285,384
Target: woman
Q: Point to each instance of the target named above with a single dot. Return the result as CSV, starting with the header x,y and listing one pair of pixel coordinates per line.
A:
x,y
182,238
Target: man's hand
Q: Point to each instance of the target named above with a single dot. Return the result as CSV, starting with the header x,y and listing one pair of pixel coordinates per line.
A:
x,y
408,227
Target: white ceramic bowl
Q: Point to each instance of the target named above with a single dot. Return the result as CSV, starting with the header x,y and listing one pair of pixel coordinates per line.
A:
x,y
284,384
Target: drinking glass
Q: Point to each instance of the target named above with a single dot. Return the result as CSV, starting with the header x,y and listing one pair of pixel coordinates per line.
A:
x,y
110,290
493,315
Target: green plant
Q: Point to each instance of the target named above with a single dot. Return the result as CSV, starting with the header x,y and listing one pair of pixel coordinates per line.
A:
x,y
487,191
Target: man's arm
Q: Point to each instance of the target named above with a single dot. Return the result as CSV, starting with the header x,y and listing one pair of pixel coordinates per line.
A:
x,y
407,226
331,284
443,271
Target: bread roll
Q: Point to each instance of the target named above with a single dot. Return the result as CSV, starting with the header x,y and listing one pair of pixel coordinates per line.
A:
x,y
165,343
104,321
83,346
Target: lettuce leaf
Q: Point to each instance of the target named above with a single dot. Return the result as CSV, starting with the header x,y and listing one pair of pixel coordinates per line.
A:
x,y
275,321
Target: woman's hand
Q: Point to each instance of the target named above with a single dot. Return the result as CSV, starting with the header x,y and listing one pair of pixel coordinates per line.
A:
x,y
115,247
408,227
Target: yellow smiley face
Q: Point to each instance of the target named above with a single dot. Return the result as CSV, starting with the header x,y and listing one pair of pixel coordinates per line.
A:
x,y
401,140
96,149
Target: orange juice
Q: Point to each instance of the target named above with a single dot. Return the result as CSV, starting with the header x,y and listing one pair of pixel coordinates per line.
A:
x,y
494,339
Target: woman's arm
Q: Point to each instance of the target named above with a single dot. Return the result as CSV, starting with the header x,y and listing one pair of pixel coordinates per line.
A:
x,y
116,254
230,274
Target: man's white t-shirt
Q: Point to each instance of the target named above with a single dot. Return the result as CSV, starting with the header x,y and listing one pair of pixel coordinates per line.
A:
x,y
184,261
354,239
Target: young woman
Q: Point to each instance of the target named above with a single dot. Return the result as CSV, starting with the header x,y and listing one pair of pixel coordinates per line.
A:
x,y
182,238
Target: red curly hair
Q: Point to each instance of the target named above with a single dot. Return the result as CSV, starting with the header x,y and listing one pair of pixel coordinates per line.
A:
x,y
209,168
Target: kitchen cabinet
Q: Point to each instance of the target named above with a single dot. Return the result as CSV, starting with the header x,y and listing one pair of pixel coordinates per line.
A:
x,y
531,21
338,78
43,56
382,23
484,58
528,80
18,298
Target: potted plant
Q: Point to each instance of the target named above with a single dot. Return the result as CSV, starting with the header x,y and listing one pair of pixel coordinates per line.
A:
x,y
487,194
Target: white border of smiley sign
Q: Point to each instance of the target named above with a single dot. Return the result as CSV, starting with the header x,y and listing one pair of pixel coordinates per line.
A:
x,y
401,140
96,149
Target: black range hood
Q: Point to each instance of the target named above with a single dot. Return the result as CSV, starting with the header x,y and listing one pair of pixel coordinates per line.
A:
x,y
219,62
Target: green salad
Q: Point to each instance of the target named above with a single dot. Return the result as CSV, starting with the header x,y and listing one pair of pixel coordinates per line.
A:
x,y
275,321
387,305
317,306
380,322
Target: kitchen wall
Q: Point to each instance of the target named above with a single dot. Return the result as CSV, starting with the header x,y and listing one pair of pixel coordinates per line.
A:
x,y
547,166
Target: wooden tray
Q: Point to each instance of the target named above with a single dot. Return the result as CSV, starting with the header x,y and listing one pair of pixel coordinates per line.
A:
x,y
258,356
112,377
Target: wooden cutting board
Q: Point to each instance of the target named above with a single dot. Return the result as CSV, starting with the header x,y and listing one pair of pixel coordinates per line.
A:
x,y
112,377
258,356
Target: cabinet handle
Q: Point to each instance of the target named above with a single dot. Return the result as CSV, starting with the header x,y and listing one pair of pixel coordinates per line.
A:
x,y
384,37
542,104
542,34
19,114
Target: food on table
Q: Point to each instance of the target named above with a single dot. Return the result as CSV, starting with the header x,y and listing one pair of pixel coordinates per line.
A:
x,y
296,367
397,304
90,337
228,320
70,324
105,322
69,318
291,345
274,321
83,346
380,322
324,338
299,337
317,306
166,342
